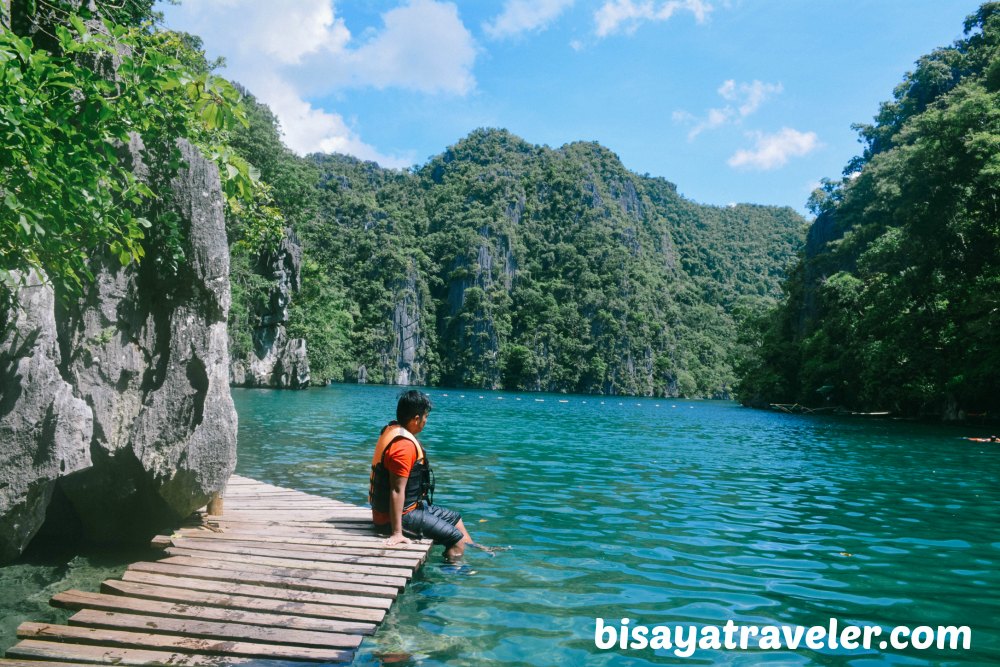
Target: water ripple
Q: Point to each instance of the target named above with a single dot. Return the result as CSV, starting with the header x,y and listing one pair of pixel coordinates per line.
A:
x,y
627,509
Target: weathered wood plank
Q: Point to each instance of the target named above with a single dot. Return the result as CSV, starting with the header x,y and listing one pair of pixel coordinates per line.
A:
x,y
204,598
282,575
249,549
293,562
316,539
293,504
213,629
345,529
10,662
180,643
214,542
302,574
267,579
250,590
121,603
331,517
107,655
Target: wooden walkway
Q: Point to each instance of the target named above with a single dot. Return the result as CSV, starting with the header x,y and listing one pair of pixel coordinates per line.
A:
x,y
281,577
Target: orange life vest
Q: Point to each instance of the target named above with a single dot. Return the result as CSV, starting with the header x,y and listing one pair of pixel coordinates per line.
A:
x,y
420,483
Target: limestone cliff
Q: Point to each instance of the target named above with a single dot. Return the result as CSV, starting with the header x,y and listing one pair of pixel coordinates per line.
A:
x,y
118,402
276,360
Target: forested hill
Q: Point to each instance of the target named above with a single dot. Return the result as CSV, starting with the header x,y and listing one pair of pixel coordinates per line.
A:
x,y
502,264
896,305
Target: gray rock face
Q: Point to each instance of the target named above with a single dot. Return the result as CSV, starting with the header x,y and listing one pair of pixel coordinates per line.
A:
x,y
277,360
406,361
143,428
44,428
817,266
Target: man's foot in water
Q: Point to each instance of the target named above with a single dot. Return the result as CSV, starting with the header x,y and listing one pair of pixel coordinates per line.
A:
x,y
492,551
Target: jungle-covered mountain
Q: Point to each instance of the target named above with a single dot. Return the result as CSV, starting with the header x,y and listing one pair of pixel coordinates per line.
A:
x,y
502,264
496,264
896,303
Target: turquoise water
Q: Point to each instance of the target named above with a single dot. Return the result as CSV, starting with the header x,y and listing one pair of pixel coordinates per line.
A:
x,y
664,512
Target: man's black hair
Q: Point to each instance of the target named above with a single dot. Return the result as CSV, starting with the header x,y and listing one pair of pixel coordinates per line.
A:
x,y
412,404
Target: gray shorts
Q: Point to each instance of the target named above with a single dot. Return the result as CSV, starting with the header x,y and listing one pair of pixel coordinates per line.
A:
x,y
434,522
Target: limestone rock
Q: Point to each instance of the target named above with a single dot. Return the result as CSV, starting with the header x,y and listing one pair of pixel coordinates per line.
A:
x,y
276,361
120,399
405,363
164,421
45,430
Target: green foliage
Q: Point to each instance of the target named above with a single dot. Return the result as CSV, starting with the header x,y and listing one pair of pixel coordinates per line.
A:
x,y
541,269
68,107
900,312
321,314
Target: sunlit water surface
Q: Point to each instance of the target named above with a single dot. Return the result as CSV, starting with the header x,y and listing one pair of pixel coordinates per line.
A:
x,y
661,511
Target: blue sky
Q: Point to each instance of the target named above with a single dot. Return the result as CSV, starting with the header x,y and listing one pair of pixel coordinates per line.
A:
x,y
732,100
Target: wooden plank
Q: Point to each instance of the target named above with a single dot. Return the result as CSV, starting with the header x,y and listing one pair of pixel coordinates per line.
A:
x,y
226,519
267,579
328,566
213,629
282,495
10,662
145,640
160,542
107,655
341,528
374,555
331,517
346,515
120,603
248,549
291,505
167,594
250,590
301,574
304,538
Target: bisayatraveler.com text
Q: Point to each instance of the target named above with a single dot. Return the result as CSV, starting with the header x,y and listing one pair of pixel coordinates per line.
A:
x,y
685,640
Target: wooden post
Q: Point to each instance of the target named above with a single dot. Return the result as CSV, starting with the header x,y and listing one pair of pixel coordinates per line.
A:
x,y
215,504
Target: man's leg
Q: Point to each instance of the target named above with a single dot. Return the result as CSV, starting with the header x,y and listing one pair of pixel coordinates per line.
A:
x,y
455,551
442,525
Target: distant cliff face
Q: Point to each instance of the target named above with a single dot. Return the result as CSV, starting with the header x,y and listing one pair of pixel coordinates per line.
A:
x,y
506,265
115,410
276,360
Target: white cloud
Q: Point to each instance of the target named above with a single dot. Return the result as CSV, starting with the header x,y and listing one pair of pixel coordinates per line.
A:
x,y
749,96
311,130
745,98
715,118
627,15
256,29
773,150
285,52
424,46
520,16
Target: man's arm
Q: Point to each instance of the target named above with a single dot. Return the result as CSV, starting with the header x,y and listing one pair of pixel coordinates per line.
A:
x,y
397,492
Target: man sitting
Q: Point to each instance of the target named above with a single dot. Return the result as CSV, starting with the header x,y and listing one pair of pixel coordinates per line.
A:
x,y
401,486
